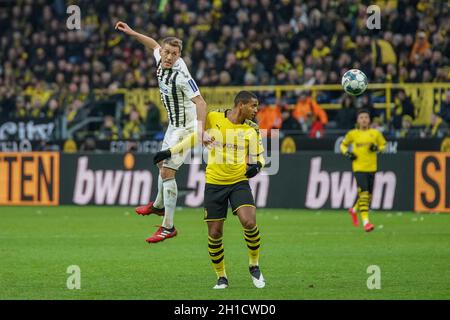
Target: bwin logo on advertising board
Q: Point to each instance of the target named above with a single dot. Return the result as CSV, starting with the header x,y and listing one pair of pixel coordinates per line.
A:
x,y
123,187
340,188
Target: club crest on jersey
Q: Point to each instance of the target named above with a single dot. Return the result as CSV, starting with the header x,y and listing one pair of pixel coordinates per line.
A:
x,y
163,88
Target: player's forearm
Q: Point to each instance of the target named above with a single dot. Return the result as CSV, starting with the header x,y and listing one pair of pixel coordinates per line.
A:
x,y
261,160
201,113
148,42
343,148
185,144
253,159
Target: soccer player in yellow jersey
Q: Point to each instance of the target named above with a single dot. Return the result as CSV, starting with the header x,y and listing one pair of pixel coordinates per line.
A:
x,y
235,156
365,144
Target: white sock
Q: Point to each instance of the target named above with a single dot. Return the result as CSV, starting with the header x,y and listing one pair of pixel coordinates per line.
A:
x,y
170,202
159,202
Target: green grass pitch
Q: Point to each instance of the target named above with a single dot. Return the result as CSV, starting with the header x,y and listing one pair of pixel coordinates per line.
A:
x,y
306,254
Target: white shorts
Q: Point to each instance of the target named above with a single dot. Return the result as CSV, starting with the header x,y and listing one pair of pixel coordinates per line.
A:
x,y
173,136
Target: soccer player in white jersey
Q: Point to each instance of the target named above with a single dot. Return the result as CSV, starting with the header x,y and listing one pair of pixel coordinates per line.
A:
x,y
186,111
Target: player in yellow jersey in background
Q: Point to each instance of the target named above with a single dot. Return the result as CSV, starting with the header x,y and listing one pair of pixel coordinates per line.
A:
x,y
365,143
235,156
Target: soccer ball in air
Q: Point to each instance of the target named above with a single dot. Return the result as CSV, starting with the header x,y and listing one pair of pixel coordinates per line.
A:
x,y
354,82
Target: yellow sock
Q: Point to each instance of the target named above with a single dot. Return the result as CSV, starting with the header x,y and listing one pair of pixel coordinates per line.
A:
x,y
363,203
216,252
253,241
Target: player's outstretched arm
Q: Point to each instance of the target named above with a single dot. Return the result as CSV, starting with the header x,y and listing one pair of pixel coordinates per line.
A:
x,y
148,42
344,147
381,142
379,145
185,144
202,108
256,155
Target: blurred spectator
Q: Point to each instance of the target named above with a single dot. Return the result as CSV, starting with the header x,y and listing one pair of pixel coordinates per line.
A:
x,y
289,122
444,112
406,131
320,50
403,106
7,102
153,119
383,52
89,144
269,117
108,130
306,110
437,128
22,108
73,114
420,47
377,124
36,109
365,103
346,115
52,109
317,128
133,127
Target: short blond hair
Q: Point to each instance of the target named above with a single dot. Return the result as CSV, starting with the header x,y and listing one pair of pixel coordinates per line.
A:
x,y
173,41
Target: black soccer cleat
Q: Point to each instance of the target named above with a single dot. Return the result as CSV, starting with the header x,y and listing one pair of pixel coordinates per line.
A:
x,y
257,277
222,283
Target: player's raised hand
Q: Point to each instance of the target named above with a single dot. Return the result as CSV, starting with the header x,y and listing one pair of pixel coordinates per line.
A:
x,y
122,26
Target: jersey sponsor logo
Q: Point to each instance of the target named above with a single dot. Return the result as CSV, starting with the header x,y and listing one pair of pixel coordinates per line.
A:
x,y
29,178
233,146
432,182
360,145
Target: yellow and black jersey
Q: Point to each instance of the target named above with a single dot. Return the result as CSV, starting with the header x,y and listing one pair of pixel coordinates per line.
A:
x,y
361,140
235,146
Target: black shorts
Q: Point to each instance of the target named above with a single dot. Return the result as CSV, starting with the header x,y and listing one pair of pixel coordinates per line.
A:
x,y
217,198
365,181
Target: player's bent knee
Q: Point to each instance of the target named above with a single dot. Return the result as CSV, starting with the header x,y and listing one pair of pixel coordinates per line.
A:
x,y
249,224
215,234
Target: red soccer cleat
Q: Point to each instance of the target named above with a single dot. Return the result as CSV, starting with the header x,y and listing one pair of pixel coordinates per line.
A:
x,y
354,216
149,209
369,227
162,234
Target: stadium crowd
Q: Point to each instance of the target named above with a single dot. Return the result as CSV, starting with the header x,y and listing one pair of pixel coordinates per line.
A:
x,y
47,71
